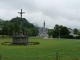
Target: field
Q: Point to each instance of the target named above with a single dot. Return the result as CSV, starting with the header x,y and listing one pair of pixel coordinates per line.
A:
x,y
46,50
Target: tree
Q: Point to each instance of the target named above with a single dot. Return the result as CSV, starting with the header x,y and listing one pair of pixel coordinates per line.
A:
x,y
11,28
60,30
29,31
16,27
75,31
64,31
25,22
13,25
5,30
50,32
56,31
78,33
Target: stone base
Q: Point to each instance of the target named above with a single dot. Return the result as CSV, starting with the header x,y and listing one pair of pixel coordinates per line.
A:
x,y
19,40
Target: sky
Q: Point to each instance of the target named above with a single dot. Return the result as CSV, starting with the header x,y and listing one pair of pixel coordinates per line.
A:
x,y
61,12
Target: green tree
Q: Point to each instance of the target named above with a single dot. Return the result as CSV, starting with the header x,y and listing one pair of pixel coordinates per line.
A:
x,y
78,33
56,31
5,30
16,27
25,22
60,30
29,31
11,28
50,32
64,31
75,31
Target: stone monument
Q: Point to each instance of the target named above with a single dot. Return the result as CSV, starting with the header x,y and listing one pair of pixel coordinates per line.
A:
x,y
20,38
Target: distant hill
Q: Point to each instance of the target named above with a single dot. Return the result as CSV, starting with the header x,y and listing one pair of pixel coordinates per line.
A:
x,y
1,22
25,22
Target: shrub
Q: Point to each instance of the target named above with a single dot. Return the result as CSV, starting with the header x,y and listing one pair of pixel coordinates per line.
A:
x,y
77,37
67,36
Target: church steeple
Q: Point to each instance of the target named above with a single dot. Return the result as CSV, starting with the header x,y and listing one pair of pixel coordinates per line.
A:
x,y
44,24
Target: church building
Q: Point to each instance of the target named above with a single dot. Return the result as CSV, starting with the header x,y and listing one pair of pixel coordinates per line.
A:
x,y
43,32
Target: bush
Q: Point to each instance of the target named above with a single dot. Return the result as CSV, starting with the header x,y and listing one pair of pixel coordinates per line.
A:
x,y
67,36
77,37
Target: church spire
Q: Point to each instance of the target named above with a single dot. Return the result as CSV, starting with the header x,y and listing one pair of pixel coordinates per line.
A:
x,y
44,23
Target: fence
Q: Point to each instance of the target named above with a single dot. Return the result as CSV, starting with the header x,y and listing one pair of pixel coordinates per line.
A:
x,y
53,56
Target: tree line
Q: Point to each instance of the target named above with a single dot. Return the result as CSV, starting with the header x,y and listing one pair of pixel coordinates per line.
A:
x,y
13,25
60,31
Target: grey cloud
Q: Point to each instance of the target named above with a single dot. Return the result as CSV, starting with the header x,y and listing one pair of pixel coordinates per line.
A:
x,y
63,12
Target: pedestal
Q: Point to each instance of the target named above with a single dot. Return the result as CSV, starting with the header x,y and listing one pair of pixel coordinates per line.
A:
x,y
20,39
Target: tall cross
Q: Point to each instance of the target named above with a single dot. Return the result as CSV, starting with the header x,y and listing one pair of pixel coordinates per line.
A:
x,y
21,13
21,21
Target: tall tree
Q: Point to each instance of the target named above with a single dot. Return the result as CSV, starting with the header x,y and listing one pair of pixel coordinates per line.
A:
x,y
75,31
50,32
25,22
64,31
56,31
60,30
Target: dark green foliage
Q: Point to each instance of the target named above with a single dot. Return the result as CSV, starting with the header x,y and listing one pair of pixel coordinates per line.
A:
x,y
31,31
77,37
16,27
1,22
25,23
14,44
67,36
64,31
60,30
50,32
5,30
78,33
55,34
75,31
8,27
56,31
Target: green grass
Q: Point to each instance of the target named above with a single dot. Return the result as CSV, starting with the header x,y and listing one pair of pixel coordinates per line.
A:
x,y
46,50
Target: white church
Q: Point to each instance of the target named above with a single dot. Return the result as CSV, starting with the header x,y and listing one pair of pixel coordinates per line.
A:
x,y
43,32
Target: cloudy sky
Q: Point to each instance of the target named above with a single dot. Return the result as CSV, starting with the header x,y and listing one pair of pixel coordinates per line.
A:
x,y
62,12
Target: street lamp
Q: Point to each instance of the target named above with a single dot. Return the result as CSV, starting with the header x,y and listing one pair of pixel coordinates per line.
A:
x,y
59,33
8,31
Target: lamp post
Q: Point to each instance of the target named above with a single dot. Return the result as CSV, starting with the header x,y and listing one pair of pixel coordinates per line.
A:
x,y
59,33
8,31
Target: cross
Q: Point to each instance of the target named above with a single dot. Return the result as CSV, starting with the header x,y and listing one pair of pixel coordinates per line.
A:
x,y
21,21
21,13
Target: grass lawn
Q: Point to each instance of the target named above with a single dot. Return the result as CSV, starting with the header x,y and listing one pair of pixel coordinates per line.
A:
x,y
46,50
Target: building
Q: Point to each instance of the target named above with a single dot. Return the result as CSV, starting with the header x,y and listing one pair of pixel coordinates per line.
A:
x,y
43,32
72,32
